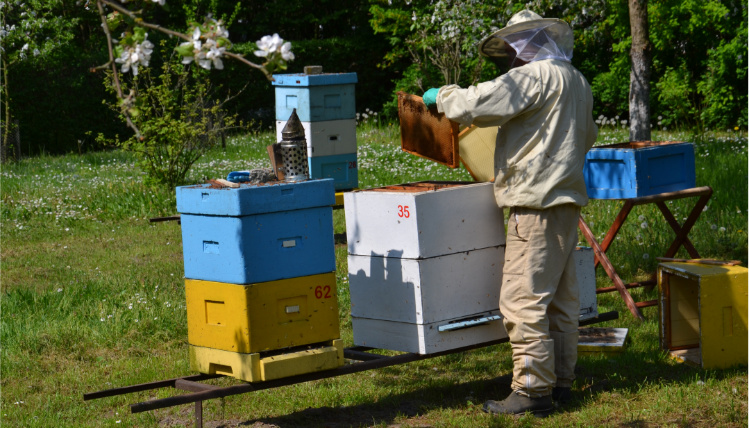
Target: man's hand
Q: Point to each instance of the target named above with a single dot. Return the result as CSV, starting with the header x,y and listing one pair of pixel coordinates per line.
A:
x,y
430,97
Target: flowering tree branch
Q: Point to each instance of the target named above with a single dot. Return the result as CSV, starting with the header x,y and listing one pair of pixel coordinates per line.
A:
x,y
205,44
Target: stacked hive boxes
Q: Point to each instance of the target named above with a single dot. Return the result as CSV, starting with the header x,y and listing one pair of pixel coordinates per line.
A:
x,y
260,279
425,266
325,104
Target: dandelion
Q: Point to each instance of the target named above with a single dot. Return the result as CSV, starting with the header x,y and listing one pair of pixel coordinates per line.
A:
x,y
704,209
645,256
713,227
722,229
59,290
641,218
644,225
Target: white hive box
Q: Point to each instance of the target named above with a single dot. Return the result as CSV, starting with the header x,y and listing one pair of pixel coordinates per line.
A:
x,y
426,305
331,137
586,280
422,220
427,338
424,291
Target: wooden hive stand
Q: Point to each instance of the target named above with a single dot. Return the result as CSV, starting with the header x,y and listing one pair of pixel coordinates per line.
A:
x,y
681,239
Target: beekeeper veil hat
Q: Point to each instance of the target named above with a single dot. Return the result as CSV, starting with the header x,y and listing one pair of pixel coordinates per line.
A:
x,y
534,38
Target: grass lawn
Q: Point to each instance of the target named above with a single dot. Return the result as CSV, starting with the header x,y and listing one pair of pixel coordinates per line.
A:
x,y
93,298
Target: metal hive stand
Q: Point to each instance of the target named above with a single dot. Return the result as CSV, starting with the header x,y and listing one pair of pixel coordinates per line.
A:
x,y
198,392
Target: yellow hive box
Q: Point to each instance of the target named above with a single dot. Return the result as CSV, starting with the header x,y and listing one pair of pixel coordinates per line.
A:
x,y
258,368
703,313
260,317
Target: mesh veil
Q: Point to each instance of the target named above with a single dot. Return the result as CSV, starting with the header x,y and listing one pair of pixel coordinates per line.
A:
x,y
548,41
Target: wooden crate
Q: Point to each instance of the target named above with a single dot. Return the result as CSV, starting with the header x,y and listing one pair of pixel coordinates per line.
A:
x,y
636,169
703,313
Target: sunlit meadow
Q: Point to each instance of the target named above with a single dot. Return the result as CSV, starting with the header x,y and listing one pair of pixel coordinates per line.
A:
x,y
93,298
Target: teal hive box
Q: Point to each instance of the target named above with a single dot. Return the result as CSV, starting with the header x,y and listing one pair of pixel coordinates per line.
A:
x,y
632,170
257,233
341,168
316,97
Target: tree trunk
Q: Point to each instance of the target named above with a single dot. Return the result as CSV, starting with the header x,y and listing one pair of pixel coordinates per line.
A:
x,y
639,80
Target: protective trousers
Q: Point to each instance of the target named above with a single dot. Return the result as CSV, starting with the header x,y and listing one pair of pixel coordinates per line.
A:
x,y
540,299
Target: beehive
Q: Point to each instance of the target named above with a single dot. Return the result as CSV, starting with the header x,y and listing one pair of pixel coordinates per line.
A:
x,y
636,169
257,233
703,313
326,106
425,265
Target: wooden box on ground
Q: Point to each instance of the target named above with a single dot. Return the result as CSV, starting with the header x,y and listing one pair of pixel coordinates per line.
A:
x,y
259,367
703,313
422,220
261,317
257,233
631,170
594,341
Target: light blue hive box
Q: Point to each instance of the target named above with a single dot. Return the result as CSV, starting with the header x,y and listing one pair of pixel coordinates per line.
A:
x,y
257,233
632,170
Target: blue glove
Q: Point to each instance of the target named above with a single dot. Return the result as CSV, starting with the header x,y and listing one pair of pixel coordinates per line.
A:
x,y
430,97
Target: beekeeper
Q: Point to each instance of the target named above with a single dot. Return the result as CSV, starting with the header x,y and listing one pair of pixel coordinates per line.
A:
x,y
544,108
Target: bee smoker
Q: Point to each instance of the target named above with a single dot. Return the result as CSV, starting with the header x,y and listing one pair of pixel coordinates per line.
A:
x,y
293,150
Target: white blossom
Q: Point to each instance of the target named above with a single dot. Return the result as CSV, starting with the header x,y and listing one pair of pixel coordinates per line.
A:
x,y
133,56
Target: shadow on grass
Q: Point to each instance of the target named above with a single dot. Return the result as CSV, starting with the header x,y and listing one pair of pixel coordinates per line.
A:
x,y
626,373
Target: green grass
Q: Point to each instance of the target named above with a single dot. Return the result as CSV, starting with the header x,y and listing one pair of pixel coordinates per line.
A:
x,y
93,298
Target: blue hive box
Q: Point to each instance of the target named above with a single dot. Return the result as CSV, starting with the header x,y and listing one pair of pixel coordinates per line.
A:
x,y
257,233
316,97
631,170
341,168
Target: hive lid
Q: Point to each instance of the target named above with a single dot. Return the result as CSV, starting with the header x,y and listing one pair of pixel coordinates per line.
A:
x,y
477,151
426,133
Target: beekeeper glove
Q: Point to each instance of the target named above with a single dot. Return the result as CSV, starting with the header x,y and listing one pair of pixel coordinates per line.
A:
x,y
430,97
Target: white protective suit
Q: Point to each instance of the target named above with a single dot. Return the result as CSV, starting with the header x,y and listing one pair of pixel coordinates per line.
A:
x,y
544,109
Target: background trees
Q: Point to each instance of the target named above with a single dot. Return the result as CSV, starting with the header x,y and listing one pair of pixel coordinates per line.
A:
x,y
698,78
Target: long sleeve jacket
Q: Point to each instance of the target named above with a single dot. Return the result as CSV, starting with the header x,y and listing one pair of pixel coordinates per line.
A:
x,y
544,111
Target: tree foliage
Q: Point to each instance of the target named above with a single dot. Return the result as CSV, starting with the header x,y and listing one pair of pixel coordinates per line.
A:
x,y
698,79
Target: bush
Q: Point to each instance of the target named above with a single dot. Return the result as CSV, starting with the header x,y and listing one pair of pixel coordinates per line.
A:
x,y
179,119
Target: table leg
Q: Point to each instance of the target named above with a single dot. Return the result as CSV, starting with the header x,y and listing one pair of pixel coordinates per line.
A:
x,y
614,229
609,268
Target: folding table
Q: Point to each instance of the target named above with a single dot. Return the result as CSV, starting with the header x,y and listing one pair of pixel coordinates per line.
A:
x,y
681,231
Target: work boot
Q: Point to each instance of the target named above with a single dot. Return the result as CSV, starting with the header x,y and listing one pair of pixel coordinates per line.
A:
x,y
561,395
516,404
